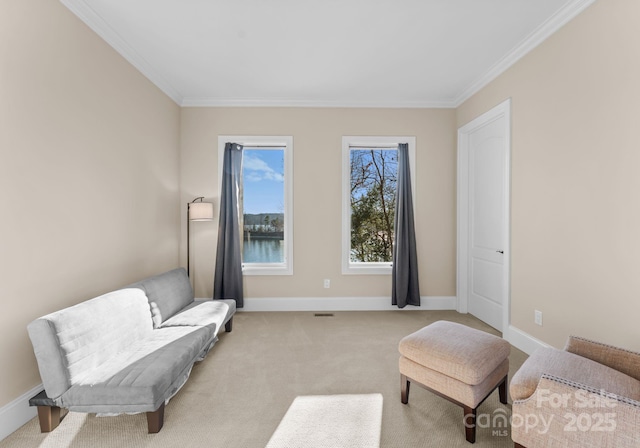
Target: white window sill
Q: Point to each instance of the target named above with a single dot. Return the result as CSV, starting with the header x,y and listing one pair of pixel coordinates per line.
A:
x,y
266,269
367,269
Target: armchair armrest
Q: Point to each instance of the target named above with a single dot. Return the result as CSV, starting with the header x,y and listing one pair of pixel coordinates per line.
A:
x,y
569,414
622,360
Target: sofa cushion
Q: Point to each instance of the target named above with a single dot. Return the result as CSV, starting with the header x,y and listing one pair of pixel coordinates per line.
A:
x,y
168,293
574,368
232,308
71,341
201,313
140,379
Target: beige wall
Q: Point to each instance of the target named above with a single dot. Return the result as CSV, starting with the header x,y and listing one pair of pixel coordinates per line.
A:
x,y
317,135
576,177
88,175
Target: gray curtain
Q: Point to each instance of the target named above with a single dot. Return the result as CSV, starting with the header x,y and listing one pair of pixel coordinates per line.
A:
x,y
405,288
227,283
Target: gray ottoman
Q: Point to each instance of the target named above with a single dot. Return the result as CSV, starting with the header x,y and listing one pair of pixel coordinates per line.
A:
x,y
458,363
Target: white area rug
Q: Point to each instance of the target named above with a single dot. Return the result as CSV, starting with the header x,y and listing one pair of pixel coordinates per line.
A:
x,y
330,421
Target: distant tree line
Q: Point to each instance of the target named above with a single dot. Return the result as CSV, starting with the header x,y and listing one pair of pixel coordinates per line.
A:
x,y
264,222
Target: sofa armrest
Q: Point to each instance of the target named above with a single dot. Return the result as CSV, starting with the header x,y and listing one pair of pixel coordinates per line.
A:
x,y
622,360
569,414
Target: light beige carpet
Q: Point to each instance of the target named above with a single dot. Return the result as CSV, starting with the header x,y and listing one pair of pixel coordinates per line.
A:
x,y
330,421
238,395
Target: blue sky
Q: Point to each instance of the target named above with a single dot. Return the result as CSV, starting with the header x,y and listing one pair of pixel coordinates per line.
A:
x,y
263,175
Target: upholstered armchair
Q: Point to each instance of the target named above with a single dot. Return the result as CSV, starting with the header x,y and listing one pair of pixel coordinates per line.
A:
x,y
587,395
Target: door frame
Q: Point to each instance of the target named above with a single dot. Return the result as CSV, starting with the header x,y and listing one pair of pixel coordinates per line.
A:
x,y
462,284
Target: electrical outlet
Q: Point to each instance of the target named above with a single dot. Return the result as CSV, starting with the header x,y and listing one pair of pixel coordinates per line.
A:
x,y
327,283
537,317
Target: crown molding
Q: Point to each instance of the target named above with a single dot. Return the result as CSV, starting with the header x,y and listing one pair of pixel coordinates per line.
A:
x,y
270,102
539,35
93,20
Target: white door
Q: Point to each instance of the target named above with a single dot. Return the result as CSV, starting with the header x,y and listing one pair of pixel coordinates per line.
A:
x,y
484,150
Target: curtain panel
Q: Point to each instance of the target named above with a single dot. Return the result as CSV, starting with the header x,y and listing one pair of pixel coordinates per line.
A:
x,y
227,283
405,288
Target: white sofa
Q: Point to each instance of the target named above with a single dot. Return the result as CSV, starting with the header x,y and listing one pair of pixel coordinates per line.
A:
x,y
127,351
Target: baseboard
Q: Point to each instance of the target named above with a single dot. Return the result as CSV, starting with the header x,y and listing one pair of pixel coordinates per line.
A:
x,y
17,413
523,341
343,304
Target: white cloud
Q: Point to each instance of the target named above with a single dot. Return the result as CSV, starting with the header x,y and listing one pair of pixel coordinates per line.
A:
x,y
257,169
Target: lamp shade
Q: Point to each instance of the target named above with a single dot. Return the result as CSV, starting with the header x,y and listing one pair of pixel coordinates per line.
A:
x,y
201,211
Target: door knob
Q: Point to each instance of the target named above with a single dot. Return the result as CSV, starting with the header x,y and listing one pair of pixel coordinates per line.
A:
x,y
500,251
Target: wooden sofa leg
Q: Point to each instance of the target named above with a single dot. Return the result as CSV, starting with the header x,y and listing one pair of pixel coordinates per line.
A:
x,y
517,445
470,424
49,418
229,325
155,420
404,389
502,390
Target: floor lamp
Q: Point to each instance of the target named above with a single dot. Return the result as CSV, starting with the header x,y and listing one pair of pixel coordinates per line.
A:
x,y
196,211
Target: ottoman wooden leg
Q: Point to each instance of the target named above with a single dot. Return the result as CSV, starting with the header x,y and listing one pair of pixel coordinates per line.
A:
x,y
470,424
404,389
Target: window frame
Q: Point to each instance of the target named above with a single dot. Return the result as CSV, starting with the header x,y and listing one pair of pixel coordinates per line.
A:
x,y
274,142
384,142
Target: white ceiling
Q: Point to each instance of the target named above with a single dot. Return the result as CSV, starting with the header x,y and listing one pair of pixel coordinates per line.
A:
x,y
358,53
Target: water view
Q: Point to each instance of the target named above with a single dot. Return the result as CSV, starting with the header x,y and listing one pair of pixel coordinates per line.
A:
x,y
263,250
263,205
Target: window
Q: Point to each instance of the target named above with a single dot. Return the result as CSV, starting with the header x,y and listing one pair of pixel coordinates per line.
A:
x,y
266,200
369,167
